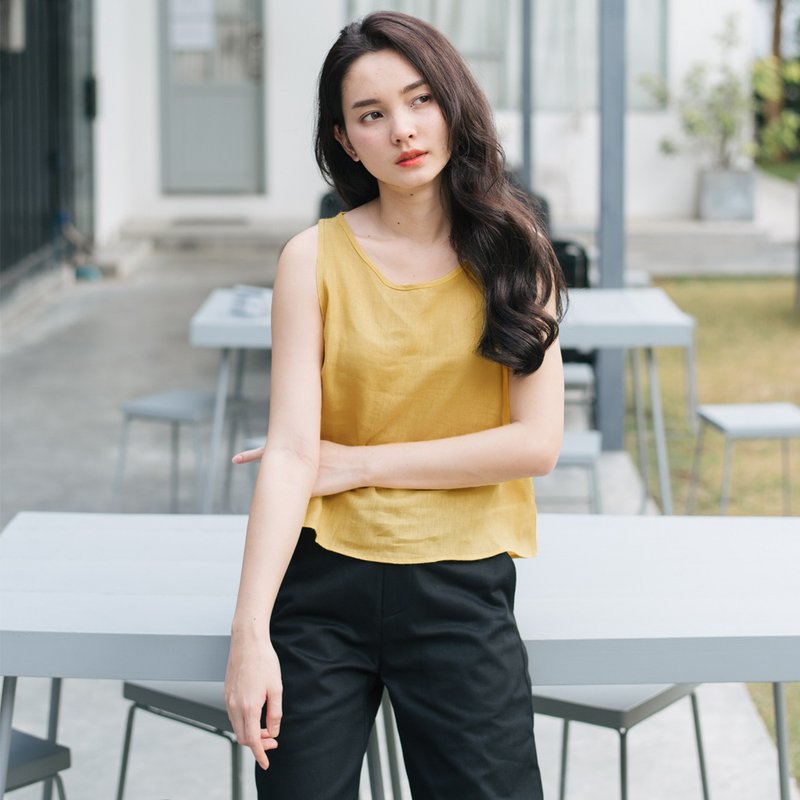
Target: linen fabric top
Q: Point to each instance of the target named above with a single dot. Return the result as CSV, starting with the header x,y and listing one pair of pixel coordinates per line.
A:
x,y
400,365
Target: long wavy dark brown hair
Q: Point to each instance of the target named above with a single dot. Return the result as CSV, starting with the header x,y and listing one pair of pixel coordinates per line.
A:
x,y
494,231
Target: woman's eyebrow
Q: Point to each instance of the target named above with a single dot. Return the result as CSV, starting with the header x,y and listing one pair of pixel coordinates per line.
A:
x,y
371,101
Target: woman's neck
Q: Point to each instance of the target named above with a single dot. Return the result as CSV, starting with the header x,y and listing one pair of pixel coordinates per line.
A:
x,y
419,216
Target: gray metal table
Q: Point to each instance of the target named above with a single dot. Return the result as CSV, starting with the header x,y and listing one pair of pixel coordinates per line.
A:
x,y
216,324
636,319
608,600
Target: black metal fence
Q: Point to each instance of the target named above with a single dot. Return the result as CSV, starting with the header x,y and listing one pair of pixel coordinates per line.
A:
x,y
35,141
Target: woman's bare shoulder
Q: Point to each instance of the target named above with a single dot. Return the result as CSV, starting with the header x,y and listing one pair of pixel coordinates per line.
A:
x,y
301,248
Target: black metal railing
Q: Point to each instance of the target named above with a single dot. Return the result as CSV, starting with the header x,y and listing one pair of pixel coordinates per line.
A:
x,y
35,140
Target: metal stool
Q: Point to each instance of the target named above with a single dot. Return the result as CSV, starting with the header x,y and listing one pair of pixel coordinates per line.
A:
x,y
176,407
582,449
33,760
202,705
746,421
579,382
618,707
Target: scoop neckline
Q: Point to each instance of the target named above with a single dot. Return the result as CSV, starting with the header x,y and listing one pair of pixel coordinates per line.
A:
x,y
383,279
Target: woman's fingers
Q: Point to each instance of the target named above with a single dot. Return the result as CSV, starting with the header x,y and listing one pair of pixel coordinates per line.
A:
x,y
274,710
248,456
249,732
252,739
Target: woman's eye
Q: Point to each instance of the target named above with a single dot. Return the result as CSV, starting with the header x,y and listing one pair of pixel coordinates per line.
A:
x,y
372,115
423,98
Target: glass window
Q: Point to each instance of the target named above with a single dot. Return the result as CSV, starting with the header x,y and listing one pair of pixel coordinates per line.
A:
x,y
565,53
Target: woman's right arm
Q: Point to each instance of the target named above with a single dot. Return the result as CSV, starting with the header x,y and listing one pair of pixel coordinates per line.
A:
x,y
285,481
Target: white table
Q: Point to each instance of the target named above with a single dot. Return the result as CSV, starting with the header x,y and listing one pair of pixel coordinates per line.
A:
x,y
217,325
608,600
633,319
636,319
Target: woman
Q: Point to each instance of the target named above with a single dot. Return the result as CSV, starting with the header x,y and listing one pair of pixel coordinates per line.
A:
x,y
416,387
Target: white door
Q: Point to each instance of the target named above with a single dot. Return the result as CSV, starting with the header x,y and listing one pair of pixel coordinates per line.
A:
x,y
212,126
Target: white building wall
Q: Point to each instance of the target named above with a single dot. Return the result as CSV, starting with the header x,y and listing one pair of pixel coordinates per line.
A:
x,y
113,130
567,146
128,185
297,35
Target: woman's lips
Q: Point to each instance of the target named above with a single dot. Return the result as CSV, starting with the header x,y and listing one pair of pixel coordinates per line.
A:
x,y
411,159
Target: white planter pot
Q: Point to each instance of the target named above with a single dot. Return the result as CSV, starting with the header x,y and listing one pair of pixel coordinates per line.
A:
x,y
726,194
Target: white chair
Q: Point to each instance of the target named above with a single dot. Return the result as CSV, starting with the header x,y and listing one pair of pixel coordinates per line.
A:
x,y
33,760
175,407
617,707
202,705
582,449
739,421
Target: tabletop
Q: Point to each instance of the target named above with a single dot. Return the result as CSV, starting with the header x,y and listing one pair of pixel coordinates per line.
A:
x,y
633,317
609,599
225,321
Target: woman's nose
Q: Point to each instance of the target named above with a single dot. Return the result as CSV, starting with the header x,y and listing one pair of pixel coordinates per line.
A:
x,y
403,129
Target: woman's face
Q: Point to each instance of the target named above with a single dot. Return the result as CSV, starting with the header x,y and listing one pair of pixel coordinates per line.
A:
x,y
392,122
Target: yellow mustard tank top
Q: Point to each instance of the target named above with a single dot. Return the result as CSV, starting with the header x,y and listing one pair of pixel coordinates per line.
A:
x,y
400,365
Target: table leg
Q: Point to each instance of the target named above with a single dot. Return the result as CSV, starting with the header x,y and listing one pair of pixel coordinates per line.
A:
x,y
659,433
52,727
641,428
691,387
787,480
207,499
782,739
6,714
238,410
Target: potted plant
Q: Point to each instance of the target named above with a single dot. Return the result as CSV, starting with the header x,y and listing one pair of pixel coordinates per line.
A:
x,y
715,109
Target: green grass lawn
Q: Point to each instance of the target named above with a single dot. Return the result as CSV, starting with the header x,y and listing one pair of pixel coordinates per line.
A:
x,y
786,170
748,350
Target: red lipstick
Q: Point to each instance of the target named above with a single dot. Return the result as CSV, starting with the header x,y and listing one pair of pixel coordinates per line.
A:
x,y
410,158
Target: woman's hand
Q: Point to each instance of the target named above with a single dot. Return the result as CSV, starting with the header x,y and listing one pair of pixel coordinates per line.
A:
x,y
253,677
340,467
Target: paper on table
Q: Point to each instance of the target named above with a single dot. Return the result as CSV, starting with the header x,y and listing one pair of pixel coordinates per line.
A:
x,y
251,301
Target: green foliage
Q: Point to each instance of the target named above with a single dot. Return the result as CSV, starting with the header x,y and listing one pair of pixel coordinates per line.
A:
x,y
779,136
715,105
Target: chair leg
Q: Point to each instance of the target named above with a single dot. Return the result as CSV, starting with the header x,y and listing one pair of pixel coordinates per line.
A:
x,y
374,765
698,452
198,466
391,747
236,770
562,785
623,764
174,479
594,489
725,492
700,754
62,795
126,749
116,491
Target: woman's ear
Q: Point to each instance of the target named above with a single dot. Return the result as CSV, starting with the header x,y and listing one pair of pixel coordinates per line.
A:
x,y
341,137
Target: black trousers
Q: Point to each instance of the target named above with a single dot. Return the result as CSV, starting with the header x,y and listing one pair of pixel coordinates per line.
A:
x,y
441,638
